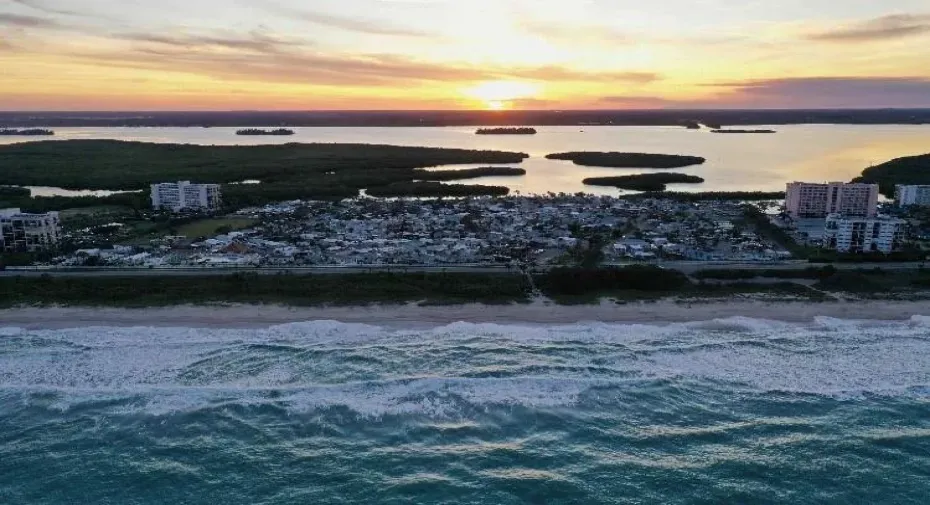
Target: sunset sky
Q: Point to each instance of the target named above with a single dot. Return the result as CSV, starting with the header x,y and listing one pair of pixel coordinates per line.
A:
x,y
462,54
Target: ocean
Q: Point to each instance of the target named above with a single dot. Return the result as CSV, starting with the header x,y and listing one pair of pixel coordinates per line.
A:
x,y
748,162
735,411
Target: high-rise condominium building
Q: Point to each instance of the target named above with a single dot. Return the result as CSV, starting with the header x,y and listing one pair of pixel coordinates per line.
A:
x,y
863,235
810,200
183,195
906,196
21,232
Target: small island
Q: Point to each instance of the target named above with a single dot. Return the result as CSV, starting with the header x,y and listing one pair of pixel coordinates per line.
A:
x,y
34,132
506,131
435,189
628,160
644,182
469,173
256,131
742,131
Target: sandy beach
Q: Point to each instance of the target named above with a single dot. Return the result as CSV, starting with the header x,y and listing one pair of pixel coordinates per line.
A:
x,y
241,316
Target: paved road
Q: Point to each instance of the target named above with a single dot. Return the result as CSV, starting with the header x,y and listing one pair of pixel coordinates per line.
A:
x,y
688,267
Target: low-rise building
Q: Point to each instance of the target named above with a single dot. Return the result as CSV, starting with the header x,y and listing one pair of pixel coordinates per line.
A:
x,y
908,195
22,232
183,195
812,200
863,235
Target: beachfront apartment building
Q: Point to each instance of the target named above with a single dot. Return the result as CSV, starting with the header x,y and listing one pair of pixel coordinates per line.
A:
x,y
183,195
813,200
908,195
22,232
862,235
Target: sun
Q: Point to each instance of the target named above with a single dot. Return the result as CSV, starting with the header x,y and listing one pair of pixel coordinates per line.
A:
x,y
497,105
499,95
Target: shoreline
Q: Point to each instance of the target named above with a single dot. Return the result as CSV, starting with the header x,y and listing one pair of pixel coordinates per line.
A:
x,y
415,316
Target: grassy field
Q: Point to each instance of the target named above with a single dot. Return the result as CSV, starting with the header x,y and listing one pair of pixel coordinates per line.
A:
x,y
211,227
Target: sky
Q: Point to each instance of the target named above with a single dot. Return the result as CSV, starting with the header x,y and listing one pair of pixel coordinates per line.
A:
x,y
462,54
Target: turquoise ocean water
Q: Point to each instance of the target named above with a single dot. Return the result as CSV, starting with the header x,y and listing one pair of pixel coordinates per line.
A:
x,y
736,411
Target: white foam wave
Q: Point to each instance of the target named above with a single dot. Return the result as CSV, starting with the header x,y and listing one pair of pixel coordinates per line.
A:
x,y
375,371
10,331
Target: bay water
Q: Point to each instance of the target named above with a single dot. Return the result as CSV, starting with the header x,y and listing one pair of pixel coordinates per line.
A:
x,y
735,162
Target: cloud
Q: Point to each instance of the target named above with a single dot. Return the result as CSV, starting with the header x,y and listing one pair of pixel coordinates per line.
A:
x,y
639,102
794,93
894,26
532,103
365,26
558,73
254,41
828,92
573,33
23,21
260,63
42,6
258,56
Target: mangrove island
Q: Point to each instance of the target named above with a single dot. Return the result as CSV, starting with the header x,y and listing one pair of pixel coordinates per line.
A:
x,y
906,170
469,173
506,131
33,132
257,131
644,182
628,160
288,172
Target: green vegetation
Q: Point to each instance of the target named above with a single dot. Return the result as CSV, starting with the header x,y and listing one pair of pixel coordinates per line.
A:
x,y
628,160
879,284
909,170
574,285
764,227
644,182
435,189
564,285
287,172
13,194
297,290
816,273
506,131
469,173
22,198
212,227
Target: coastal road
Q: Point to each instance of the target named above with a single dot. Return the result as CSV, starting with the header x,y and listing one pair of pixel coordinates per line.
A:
x,y
688,267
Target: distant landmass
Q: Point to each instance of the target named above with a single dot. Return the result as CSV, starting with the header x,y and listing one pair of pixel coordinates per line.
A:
x,y
628,160
506,131
742,131
255,131
644,182
27,133
907,170
714,119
